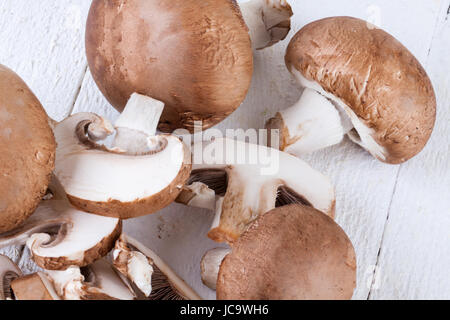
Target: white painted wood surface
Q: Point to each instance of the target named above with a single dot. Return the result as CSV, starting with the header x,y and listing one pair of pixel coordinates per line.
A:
x,y
398,217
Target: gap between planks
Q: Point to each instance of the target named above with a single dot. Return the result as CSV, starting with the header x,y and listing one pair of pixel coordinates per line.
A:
x,y
442,16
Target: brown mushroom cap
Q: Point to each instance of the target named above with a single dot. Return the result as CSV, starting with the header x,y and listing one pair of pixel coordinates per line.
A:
x,y
292,252
193,55
27,151
374,75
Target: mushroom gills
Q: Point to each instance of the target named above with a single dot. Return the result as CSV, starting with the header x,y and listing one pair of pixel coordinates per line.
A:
x,y
8,273
151,278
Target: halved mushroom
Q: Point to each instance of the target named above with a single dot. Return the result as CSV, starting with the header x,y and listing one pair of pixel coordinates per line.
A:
x,y
194,55
141,174
360,82
27,151
149,274
60,236
291,253
249,180
36,286
98,281
8,272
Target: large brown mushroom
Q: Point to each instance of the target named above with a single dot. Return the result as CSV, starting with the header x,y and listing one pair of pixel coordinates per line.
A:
x,y
27,151
359,81
291,253
194,55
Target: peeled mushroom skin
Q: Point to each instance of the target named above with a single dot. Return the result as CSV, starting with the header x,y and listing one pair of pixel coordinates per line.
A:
x,y
194,55
27,151
372,79
290,253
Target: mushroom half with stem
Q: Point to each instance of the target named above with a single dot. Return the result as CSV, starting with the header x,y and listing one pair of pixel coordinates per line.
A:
x,y
198,53
142,173
249,180
151,276
290,253
27,151
361,82
60,236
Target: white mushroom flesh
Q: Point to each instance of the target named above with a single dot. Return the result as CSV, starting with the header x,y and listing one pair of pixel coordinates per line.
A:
x,y
268,21
210,266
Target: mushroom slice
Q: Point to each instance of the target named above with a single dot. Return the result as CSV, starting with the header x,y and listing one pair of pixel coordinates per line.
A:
x,y
149,274
141,174
250,180
210,266
360,82
269,21
8,272
60,236
27,151
290,253
34,287
98,281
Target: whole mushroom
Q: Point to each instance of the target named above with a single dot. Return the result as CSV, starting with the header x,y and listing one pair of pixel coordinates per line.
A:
x,y
361,82
27,151
291,253
194,55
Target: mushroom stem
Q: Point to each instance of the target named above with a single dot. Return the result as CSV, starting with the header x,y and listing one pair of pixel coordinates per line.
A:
x,y
268,21
210,266
313,123
198,195
137,125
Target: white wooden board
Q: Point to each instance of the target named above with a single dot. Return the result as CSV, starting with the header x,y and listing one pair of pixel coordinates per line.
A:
x,y
43,41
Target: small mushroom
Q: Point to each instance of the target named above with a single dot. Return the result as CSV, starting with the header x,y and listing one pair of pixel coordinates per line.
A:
x,y
361,82
8,272
35,286
27,151
194,55
142,173
60,236
98,281
245,190
291,253
150,275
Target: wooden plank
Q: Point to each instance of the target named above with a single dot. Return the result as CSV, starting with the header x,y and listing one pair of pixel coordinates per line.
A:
x,y
364,186
414,260
43,42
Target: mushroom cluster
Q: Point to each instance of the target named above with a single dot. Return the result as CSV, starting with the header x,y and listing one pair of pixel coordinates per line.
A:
x,y
192,62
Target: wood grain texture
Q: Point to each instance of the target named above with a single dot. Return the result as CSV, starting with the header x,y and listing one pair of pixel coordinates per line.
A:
x,y
44,44
414,259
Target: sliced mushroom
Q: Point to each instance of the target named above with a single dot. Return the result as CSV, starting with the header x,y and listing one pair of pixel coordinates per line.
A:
x,y
290,253
244,190
194,55
34,287
27,151
151,276
8,272
360,82
269,21
98,281
60,236
141,174
210,266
